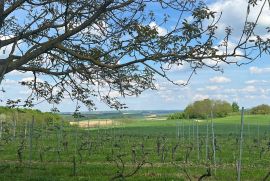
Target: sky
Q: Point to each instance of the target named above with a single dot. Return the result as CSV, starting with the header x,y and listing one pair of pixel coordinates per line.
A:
x,y
248,85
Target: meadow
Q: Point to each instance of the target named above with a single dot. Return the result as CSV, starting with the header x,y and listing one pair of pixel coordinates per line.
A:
x,y
135,149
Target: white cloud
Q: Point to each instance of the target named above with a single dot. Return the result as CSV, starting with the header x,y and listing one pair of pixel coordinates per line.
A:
x,y
220,96
249,89
21,74
220,79
200,89
198,97
181,97
234,13
250,97
174,67
28,79
98,29
5,51
257,70
180,81
160,86
264,91
256,81
161,31
212,88
9,82
222,50
209,88
264,96
115,94
25,92
169,98
231,91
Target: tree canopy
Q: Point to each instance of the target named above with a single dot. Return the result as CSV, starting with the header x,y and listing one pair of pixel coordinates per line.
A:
x,y
203,109
80,49
260,109
7,114
235,107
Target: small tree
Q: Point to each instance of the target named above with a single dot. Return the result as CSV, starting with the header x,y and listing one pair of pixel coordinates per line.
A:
x,y
221,108
235,107
201,109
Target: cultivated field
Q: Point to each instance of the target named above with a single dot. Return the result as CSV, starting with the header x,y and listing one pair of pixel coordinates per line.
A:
x,y
94,123
135,149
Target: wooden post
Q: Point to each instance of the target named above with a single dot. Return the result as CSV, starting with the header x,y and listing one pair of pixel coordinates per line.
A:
x,y
258,132
14,125
58,133
198,145
113,131
213,140
206,141
188,131
1,126
106,127
178,130
42,141
183,131
249,136
88,136
74,165
31,133
75,146
193,130
25,128
240,146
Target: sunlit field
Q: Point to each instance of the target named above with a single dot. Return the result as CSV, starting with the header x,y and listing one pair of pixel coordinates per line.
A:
x,y
135,149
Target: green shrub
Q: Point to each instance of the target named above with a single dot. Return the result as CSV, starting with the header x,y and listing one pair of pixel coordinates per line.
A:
x,y
177,115
202,109
27,114
260,109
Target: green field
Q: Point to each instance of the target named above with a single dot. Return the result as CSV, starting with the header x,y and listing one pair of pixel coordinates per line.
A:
x,y
135,149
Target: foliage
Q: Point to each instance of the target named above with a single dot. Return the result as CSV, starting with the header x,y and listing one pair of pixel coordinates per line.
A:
x,y
27,114
260,109
177,115
221,108
84,49
202,109
235,107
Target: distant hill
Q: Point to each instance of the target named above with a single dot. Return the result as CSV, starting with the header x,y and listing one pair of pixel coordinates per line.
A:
x,y
23,114
120,114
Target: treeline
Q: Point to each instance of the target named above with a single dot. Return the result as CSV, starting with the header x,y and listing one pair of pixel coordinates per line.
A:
x,y
204,108
260,109
24,114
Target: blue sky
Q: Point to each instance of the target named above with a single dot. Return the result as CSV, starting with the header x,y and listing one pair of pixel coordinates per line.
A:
x,y
248,85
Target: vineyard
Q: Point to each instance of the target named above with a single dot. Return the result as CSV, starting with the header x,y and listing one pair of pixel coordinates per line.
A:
x,y
135,149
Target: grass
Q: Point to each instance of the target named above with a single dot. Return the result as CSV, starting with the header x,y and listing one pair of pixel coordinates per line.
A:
x,y
97,152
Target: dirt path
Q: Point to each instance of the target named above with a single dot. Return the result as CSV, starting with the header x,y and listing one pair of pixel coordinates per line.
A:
x,y
94,124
